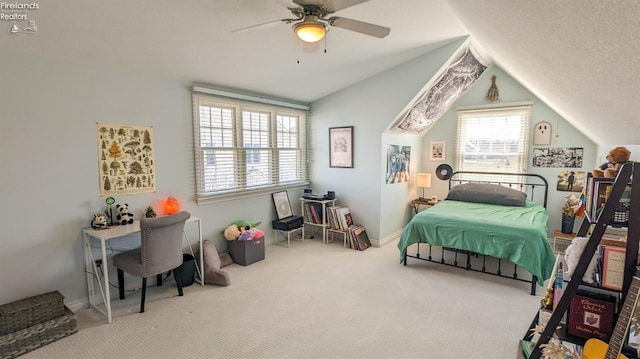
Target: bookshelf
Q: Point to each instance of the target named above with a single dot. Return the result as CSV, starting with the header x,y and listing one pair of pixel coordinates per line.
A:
x,y
597,224
314,212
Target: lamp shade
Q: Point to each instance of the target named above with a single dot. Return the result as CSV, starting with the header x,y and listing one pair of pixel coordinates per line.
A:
x,y
423,180
310,31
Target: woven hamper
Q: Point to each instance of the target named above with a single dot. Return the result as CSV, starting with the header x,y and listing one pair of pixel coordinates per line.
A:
x,y
27,312
23,341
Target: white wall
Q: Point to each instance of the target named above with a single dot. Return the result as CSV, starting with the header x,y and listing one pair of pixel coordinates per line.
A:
x,y
48,156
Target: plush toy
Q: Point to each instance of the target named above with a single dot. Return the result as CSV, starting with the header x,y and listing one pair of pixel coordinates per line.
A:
x,y
232,232
615,159
253,234
124,217
99,221
572,256
243,230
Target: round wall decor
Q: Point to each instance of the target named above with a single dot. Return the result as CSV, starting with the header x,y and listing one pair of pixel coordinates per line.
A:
x,y
444,172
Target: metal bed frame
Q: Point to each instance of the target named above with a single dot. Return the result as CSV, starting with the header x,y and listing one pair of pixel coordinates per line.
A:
x,y
524,182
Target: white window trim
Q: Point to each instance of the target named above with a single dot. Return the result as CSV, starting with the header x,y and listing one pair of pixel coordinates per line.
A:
x,y
524,146
205,96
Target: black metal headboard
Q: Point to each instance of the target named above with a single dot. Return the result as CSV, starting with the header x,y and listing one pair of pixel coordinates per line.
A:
x,y
531,184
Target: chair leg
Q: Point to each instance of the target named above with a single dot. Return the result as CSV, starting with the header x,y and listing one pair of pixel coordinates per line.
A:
x,y
177,274
144,290
159,280
121,283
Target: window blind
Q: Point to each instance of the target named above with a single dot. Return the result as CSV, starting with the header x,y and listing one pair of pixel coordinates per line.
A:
x,y
493,139
246,147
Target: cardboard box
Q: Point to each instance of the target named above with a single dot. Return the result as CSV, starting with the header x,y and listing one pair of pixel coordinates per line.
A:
x,y
247,252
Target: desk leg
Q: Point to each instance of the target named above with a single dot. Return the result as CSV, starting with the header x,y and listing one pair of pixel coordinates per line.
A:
x,y
107,292
201,254
89,270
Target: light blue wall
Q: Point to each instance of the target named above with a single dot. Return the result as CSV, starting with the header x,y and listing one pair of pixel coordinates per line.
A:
x,y
48,156
511,91
370,106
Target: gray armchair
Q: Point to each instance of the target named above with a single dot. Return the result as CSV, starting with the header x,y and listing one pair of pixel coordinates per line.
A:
x,y
160,251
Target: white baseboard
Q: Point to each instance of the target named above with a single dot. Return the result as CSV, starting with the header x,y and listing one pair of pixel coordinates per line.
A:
x,y
78,304
388,239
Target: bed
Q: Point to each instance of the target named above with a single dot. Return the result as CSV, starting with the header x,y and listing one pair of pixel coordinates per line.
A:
x,y
485,216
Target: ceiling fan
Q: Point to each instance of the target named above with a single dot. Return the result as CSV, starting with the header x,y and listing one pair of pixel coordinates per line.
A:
x,y
311,22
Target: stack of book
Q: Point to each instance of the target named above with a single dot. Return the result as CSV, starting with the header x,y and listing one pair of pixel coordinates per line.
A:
x,y
313,212
339,219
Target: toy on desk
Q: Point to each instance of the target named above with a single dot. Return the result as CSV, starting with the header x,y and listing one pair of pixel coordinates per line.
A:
x,y
99,221
124,217
149,212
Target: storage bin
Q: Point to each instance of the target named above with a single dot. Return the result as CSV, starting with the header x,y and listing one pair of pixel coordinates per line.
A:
x,y
247,252
14,344
188,269
27,312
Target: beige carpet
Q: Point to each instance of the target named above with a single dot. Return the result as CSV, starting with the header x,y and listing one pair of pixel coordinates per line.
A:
x,y
315,300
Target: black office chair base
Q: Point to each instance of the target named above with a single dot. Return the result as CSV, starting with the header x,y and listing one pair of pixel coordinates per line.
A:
x,y
177,274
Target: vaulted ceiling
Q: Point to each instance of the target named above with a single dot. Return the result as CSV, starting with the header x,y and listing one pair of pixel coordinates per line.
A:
x,y
579,56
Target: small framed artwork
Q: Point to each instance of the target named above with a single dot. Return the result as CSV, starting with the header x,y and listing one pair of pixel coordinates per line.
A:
x,y
436,152
341,147
282,204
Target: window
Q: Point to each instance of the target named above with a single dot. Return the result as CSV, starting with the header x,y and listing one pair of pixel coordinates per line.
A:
x,y
493,140
242,146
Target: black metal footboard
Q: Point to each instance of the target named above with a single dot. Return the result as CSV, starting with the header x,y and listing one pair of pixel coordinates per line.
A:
x,y
468,265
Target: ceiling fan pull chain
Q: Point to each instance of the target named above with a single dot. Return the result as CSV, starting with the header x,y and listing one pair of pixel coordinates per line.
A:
x,y
325,44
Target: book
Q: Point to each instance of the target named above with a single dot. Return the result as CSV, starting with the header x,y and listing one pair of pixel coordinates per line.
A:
x,y
613,267
361,237
342,217
590,317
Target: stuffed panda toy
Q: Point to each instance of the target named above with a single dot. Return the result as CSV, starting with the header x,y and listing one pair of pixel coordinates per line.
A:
x,y
124,217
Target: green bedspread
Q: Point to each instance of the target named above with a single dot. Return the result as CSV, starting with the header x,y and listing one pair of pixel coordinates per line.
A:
x,y
515,233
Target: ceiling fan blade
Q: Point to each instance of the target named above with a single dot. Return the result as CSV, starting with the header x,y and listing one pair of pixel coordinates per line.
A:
x,y
288,21
359,26
330,5
336,5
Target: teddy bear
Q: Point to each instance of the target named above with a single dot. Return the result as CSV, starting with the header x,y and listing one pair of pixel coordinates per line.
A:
x,y
615,159
124,217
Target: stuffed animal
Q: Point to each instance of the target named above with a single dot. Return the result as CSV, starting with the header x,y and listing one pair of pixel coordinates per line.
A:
x,y
572,256
615,159
124,217
232,232
99,221
243,230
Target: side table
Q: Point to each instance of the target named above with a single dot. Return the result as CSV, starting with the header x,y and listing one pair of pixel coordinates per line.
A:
x,y
416,203
288,235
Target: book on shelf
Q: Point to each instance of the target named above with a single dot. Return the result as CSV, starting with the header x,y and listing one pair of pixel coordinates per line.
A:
x,y
612,267
591,316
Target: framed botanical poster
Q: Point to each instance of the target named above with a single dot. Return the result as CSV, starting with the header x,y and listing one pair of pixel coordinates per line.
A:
x,y
436,151
341,147
125,159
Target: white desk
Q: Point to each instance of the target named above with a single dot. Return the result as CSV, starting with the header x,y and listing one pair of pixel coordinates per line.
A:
x,y
103,235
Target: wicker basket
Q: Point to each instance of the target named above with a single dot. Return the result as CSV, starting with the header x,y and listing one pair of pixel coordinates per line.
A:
x,y
23,341
27,312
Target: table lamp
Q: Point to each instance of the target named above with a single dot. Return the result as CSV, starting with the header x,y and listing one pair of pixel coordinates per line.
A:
x,y
423,180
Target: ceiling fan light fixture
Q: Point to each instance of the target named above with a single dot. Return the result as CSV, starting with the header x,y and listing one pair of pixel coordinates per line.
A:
x,y
310,31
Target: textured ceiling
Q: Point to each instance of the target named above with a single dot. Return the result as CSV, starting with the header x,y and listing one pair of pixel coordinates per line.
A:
x,y
579,56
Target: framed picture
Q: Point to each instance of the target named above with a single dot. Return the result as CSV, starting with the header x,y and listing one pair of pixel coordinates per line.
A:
x,y
341,147
282,204
436,152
